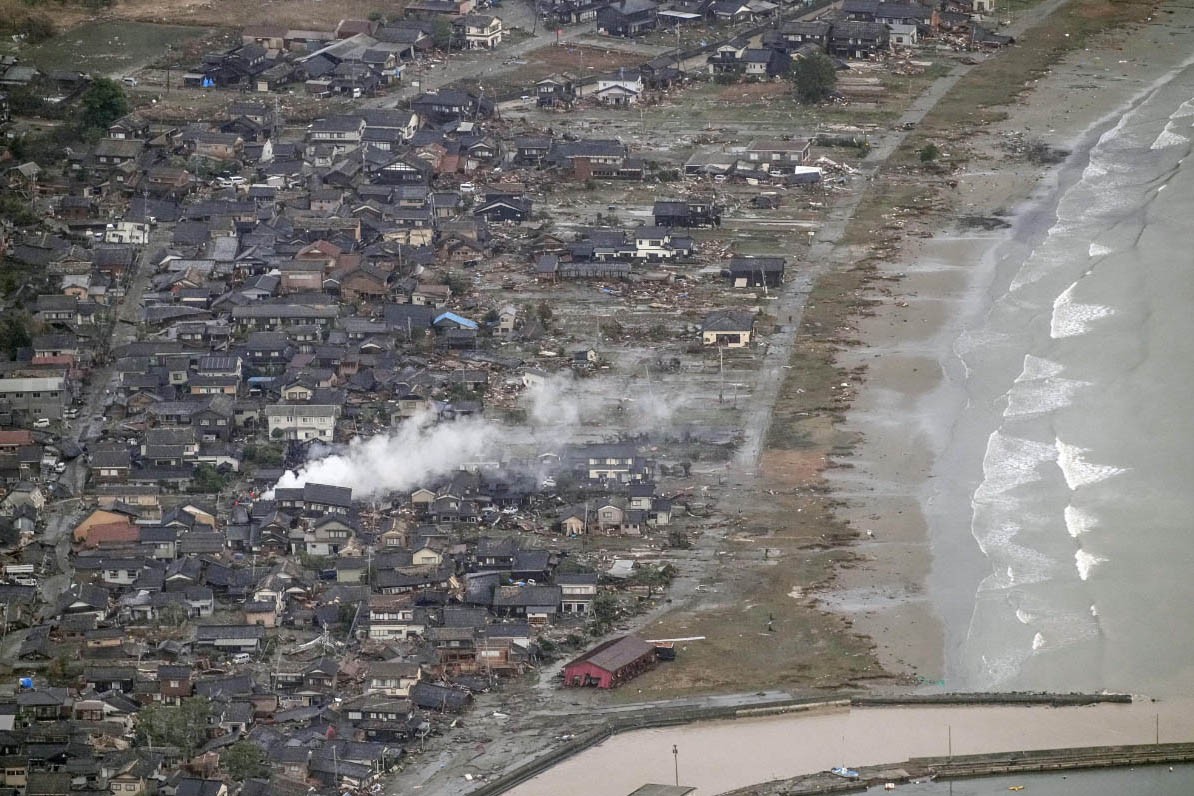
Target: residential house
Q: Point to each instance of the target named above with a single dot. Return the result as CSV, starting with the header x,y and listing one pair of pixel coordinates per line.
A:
x,y
577,591
230,638
393,616
393,678
302,422
622,88
850,39
447,105
479,31
537,603
627,18
756,271
36,396
505,208
687,213
728,329
800,32
550,92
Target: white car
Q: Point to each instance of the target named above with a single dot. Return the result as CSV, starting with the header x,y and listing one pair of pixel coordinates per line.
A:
x,y
60,467
41,422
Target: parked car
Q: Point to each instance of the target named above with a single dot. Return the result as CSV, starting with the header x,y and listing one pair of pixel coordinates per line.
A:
x,y
41,422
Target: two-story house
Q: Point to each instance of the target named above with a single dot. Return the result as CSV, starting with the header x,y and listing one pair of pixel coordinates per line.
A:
x,y
479,31
302,422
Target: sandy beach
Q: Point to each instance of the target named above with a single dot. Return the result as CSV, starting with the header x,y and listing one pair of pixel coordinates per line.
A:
x,y
913,593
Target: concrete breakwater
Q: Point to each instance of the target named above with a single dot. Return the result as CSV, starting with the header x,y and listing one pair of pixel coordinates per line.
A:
x,y
971,766
657,716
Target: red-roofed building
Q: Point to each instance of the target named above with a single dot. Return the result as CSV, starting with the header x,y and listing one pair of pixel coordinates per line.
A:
x,y
112,534
11,440
610,664
60,359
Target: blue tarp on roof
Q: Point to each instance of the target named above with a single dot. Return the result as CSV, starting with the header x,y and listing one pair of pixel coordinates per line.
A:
x,y
463,323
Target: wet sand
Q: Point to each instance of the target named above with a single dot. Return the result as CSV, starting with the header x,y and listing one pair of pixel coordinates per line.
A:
x,y
914,591
720,756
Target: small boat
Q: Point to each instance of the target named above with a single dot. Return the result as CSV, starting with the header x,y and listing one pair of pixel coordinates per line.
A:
x,y
1015,787
842,771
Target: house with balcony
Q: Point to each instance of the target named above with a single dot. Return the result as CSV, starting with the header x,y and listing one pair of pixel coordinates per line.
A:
x,y
393,616
577,592
479,31
302,421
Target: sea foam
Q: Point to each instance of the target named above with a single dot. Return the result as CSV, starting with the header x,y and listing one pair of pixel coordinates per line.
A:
x,y
1168,138
1079,472
1035,367
1183,110
1078,521
1011,462
1041,395
1086,562
1071,318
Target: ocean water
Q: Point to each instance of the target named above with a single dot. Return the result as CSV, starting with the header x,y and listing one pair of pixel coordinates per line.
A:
x,y
1074,456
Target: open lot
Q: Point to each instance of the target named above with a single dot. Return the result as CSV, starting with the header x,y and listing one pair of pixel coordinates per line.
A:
x,y
110,48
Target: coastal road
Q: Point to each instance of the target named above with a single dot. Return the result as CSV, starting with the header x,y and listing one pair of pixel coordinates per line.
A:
x,y
824,257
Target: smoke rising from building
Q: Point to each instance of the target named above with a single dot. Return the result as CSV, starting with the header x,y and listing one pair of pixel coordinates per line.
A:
x,y
421,450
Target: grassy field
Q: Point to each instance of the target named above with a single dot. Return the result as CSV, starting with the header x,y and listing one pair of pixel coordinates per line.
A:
x,y
110,48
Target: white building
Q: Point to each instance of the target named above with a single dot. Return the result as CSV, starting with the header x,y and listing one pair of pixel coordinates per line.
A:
x,y
302,421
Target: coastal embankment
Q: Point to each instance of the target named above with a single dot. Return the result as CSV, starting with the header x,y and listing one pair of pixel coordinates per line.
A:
x,y
722,755
970,766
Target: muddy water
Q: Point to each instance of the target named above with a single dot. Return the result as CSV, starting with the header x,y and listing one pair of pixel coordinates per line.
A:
x,y
720,756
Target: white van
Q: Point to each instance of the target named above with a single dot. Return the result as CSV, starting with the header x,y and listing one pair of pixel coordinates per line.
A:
x,y
242,658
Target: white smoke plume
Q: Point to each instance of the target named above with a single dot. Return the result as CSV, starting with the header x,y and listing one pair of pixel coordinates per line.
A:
x,y
421,450
417,450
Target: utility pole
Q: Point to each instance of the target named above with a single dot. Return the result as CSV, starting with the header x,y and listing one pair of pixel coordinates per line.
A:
x,y
676,759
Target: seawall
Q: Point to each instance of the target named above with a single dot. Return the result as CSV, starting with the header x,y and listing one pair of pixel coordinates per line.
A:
x,y
663,716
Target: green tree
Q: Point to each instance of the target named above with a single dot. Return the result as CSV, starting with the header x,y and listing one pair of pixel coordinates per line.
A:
x,y
14,334
207,479
929,152
441,33
184,726
814,76
244,760
103,103
603,614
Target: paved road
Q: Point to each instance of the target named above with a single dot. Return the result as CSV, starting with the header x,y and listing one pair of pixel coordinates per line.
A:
x,y
63,515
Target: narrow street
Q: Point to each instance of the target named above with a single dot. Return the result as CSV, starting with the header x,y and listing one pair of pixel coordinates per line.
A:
x,y
62,515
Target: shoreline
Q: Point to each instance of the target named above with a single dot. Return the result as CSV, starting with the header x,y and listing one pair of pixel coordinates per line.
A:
x,y
909,504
